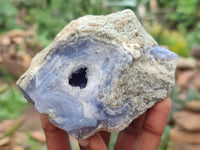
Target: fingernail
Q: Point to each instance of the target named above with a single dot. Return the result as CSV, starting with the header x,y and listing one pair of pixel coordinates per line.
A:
x,y
83,142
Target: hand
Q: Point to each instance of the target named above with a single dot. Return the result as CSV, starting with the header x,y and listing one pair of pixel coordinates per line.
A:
x,y
143,133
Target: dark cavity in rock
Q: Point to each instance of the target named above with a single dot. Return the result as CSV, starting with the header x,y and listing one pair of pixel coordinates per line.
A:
x,y
78,78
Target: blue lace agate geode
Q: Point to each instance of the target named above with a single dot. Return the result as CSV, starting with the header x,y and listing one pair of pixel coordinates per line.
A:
x,y
100,73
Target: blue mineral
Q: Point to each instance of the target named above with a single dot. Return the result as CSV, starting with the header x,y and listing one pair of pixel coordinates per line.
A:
x,y
161,54
100,73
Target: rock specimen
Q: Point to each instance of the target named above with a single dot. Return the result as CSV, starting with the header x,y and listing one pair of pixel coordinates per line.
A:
x,y
100,73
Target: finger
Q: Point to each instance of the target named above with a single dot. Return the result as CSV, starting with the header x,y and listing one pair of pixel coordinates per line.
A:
x,y
83,144
95,142
106,137
83,148
154,124
57,139
128,136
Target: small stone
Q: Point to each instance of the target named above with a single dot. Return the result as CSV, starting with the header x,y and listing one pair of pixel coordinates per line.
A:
x,y
100,73
38,136
185,136
18,40
193,105
197,81
196,52
4,141
189,79
185,80
20,138
17,147
5,41
6,124
174,145
186,63
187,120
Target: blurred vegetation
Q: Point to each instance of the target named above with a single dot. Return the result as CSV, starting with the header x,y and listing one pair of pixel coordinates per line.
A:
x,y
11,103
34,144
174,24
52,16
49,16
178,28
7,18
113,139
172,39
182,16
165,139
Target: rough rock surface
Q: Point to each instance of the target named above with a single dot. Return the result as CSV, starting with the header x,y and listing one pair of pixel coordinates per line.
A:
x,y
100,73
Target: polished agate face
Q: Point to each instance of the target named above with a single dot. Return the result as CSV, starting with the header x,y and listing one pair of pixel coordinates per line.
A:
x,y
86,83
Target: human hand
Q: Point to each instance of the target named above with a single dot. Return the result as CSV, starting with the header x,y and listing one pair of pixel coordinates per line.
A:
x,y
143,133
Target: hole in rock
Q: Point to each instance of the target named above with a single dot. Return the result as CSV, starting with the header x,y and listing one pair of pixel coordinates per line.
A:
x,y
78,78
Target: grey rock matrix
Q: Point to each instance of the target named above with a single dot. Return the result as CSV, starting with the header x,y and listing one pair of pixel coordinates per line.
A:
x,y
100,73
